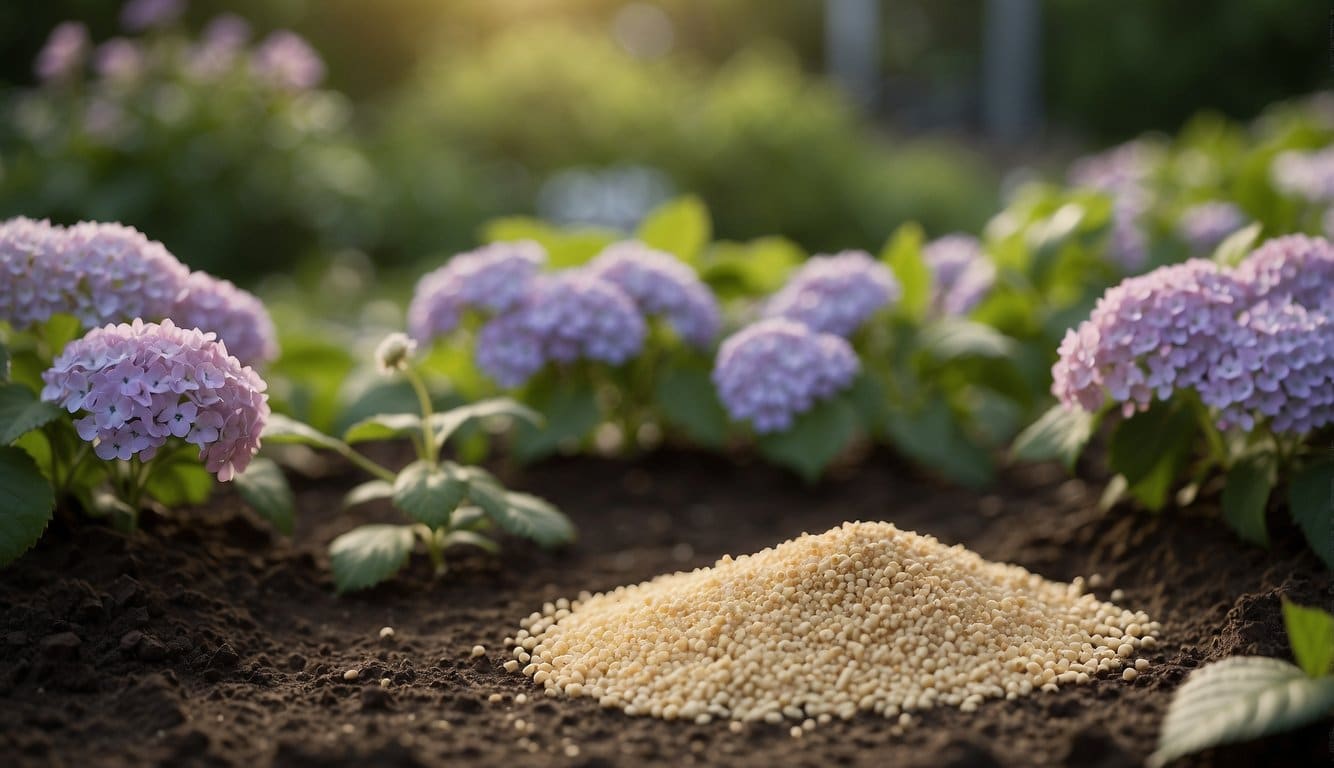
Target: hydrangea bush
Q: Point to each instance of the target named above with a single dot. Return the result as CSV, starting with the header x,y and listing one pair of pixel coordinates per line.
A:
x,y
1213,367
116,391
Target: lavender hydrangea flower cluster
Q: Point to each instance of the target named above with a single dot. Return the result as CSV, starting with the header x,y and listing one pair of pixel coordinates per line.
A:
x,y
1253,342
835,294
961,275
660,284
63,53
99,273
1122,173
1204,226
285,59
141,384
774,370
494,278
237,317
1307,176
563,318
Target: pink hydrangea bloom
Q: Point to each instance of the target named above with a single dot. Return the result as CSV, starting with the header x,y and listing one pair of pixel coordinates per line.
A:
x,y
138,385
236,316
100,273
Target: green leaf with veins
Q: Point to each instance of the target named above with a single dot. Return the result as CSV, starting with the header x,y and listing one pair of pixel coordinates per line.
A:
x,y
22,412
429,493
446,424
26,503
264,487
371,490
522,515
366,556
384,426
1239,699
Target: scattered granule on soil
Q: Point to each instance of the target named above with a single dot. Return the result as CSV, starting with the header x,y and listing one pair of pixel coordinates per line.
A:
x,y
864,617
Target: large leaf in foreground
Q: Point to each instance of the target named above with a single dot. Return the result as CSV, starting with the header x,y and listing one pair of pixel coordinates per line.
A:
x,y
366,556
26,502
1311,635
1240,699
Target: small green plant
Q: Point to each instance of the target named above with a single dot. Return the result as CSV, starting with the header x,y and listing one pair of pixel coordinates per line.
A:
x,y
449,504
1246,697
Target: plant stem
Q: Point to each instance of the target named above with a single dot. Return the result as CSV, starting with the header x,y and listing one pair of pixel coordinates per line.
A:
x,y
1217,448
435,547
431,451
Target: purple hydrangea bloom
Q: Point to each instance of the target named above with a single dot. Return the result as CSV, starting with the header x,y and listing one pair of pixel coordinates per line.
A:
x,y
100,273
493,278
1203,227
238,317
219,46
285,59
138,15
660,284
961,275
566,317
1307,176
64,52
1244,340
118,60
835,294
1295,266
140,384
771,372
1123,174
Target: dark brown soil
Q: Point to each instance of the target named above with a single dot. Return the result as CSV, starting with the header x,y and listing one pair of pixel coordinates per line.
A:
x,y
204,640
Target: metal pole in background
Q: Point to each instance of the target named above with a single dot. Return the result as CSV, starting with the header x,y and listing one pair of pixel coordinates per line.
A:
x,y
852,48
1011,76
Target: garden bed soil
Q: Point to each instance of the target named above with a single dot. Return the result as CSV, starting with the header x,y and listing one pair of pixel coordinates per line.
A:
x,y
205,640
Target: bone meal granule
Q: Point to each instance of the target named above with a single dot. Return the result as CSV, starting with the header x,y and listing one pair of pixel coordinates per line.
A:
x,y
862,617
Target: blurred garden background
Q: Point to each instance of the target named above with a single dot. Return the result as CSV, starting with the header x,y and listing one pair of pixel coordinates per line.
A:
x,y
263,135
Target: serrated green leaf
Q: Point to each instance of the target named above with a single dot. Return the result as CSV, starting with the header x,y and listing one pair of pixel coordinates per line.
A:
x,y
1060,434
447,423
1311,500
282,429
1239,699
1237,246
264,487
903,255
366,556
1246,495
523,515
953,338
384,426
471,539
21,412
26,500
1149,449
371,490
815,439
428,493
688,402
679,226
1311,635
933,437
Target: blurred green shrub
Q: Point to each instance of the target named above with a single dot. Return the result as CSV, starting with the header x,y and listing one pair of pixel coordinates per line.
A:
x,y
769,149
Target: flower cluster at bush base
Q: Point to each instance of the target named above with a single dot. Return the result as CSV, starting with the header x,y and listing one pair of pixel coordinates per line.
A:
x,y
141,384
110,273
864,617
595,312
774,370
1253,342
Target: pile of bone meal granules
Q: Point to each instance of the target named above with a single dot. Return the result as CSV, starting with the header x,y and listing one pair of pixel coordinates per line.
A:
x,y
864,617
